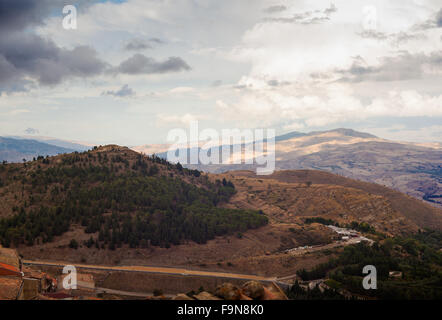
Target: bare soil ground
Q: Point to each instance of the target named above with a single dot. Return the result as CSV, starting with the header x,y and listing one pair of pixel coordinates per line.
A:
x,y
221,252
289,195
281,264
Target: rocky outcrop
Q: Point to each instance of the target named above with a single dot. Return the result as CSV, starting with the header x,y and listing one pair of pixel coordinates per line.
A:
x,y
251,290
182,296
205,296
228,291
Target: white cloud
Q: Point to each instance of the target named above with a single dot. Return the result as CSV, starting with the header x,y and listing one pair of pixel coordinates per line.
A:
x,y
295,107
182,120
268,74
306,58
402,133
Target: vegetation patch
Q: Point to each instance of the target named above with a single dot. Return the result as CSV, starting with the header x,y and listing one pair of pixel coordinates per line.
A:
x,y
124,198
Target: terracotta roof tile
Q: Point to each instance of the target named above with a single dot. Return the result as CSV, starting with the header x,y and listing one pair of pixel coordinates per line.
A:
x,y
9,256
8,270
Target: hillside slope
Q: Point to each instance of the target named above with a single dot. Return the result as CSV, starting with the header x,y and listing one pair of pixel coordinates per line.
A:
x,y
118,197
319,193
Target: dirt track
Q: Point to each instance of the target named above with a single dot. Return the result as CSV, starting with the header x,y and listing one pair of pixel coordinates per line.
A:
x,y
157,270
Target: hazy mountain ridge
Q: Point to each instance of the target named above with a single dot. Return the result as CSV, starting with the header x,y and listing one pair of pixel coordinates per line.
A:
x,y
73,145
15,150
412,168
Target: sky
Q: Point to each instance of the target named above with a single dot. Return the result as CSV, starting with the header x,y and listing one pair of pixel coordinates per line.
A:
x,y
133,70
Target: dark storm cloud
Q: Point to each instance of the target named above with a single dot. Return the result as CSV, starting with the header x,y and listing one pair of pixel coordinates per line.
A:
x,y
19,14
439,18
125,91
24,55
27,59
16,15
405,66
140,64
307,17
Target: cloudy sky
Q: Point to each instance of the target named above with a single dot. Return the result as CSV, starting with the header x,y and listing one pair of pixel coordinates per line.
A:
x,y
134,69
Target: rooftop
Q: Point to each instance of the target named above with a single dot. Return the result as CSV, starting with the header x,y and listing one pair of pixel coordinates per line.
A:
x,y
9,256
9,270
9,288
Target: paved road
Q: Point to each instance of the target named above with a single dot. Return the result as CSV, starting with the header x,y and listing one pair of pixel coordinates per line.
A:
x,y
156,270
335,244
131,294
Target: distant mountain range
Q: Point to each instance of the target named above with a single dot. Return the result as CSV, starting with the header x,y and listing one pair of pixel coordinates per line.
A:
x,y
412,168
56,142
16,149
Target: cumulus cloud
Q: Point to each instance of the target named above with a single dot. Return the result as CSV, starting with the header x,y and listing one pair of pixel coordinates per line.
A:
x,y
406,103
280,108
277,83
140,64
373,34
404,66
307,17
275,8
433,22
124,91
402,37
395,39
331,9
285,81
26,57
157,40
330,105
137,44
16,15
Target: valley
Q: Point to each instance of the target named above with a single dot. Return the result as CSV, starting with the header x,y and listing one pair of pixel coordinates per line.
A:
x,y
112,212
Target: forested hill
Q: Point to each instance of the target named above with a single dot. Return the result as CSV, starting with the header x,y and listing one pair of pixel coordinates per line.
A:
x,y
119,197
